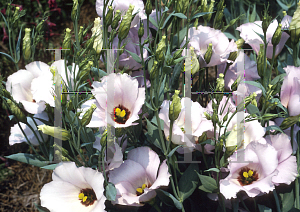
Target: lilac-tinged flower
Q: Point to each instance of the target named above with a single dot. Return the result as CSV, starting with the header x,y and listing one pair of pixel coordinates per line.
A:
x,y
249,34
286,22
138,177
122,101
74,189
290,90
202,36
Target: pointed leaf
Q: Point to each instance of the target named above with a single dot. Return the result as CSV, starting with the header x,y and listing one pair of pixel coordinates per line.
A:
x,y
168,198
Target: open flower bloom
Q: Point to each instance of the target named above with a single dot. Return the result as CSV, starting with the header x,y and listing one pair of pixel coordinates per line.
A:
x,y
118,101
74,189
123,7
180,135
248,33
138,177
262,165
290,90
17,136
20,87
201,37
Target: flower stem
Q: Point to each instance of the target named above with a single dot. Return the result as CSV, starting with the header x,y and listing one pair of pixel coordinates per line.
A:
x,y
276,200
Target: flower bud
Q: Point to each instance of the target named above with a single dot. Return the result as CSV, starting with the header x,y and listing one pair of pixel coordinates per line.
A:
x,y
177,54
60,150
154,70
103,140
268,116
295,26
289,121
40,26
27,44
63,158
266,20
148,7
181,6
207,116
16,111
260,61
69,105
175,106
55,132
125,23
208,54
67,40
86,70
74,10
109,16
80,34
225,118
161,48
116,19
141,30
97,33
210,9
196,23
220,83
195,62
277,35
202,138
284,13
64,96
88,115
16,14
235,84
239,43
218,22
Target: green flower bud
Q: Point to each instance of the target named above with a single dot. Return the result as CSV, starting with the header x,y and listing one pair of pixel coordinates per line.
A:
x,y
16,111
233,55
210,9
177,54
208,54
40,26
225,118
175,106
215,117
60,150
239,43
161,48
87,117
207,116
202,138
141,30
109,15
27,44
154,71
295,26
196,23
148,7
235,84
86,70
16,14
125,23
254,102
80,34
181,6
54,131
277,35
67,39
260,61
284,13
70,105
195,62
63,158
218,22
268,116
97,33
103,140
74,10
266,20
64,96
116,19
220,83
289,121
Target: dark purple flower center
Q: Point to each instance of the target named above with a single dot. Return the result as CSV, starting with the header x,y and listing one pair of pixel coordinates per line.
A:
x,y
121,114
247,176
87,196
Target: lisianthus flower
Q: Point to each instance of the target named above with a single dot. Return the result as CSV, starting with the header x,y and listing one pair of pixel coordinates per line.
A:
x,y
74,189
17,136
244,90
132,41
179,135
123,7
290,90
123,103
19,85
138,177
248,33
264,164
202,36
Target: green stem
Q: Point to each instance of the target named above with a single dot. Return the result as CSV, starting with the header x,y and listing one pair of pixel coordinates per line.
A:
x,y
118,55
144,70
265,80
276,200
273,59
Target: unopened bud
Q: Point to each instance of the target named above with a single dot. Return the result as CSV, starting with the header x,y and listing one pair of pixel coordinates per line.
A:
x,y
67,39
220,83
208,54
74,10
202,138
55,132
40,26
295,26
103,140
148,7
97,33
16,111
260,61
284,13
125,23
277,35
235,84
80,34
116,19
161,48
207,116
86,70
154,70
27,44
289,121
141,30
87,117
210,9
175,106
109,15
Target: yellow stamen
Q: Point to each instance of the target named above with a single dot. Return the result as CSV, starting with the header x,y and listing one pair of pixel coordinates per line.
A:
x,y
84,198
120,113
123,113
140,190
144,186
81,195
250,173
245,174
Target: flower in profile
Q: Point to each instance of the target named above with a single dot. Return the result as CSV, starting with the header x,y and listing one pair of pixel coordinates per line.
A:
x,y
74,189
250,31
17,136
180,135
201,37
118,100
138,177
290,90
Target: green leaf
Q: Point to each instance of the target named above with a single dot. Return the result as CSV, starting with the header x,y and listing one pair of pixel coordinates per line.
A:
x,y
252,109
287,200
4,20
200,15
173,151
110,192
283,6
18,46
8,56
153,21
180,15
50,167
274,127
168,20
263,208
278,79
40,208
175,77
134,56
188,181
98,72
168,198
212,170
167,69
208,183
149,106
28,158
258,85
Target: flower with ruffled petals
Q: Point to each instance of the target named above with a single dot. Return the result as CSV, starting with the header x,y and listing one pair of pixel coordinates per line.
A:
x,y
138,177
201,37
122,101
74,189
290,90
248,33
17,136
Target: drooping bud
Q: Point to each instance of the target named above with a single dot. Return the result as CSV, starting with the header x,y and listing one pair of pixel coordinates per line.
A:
x,y
289,121
295,26
87,117
195,62
125,23
16,111
208,54
116,19
97,33
277,35
67,39
175,106
109,16
141,30
161,48
154,70
74,10
55,132
148,7
27,44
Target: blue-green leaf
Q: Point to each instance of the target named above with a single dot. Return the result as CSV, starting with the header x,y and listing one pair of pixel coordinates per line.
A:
x,y
18,46
209,184
200,15
50,167
180,15
110,192
134,56
153,21
258,85
188,181
168,198
8,56
28,158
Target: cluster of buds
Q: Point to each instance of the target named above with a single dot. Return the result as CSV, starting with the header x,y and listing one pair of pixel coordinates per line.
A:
x,y
175,106
27,44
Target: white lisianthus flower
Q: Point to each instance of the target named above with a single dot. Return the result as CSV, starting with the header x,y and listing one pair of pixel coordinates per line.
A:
x,y
74,189
122,101
97,32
